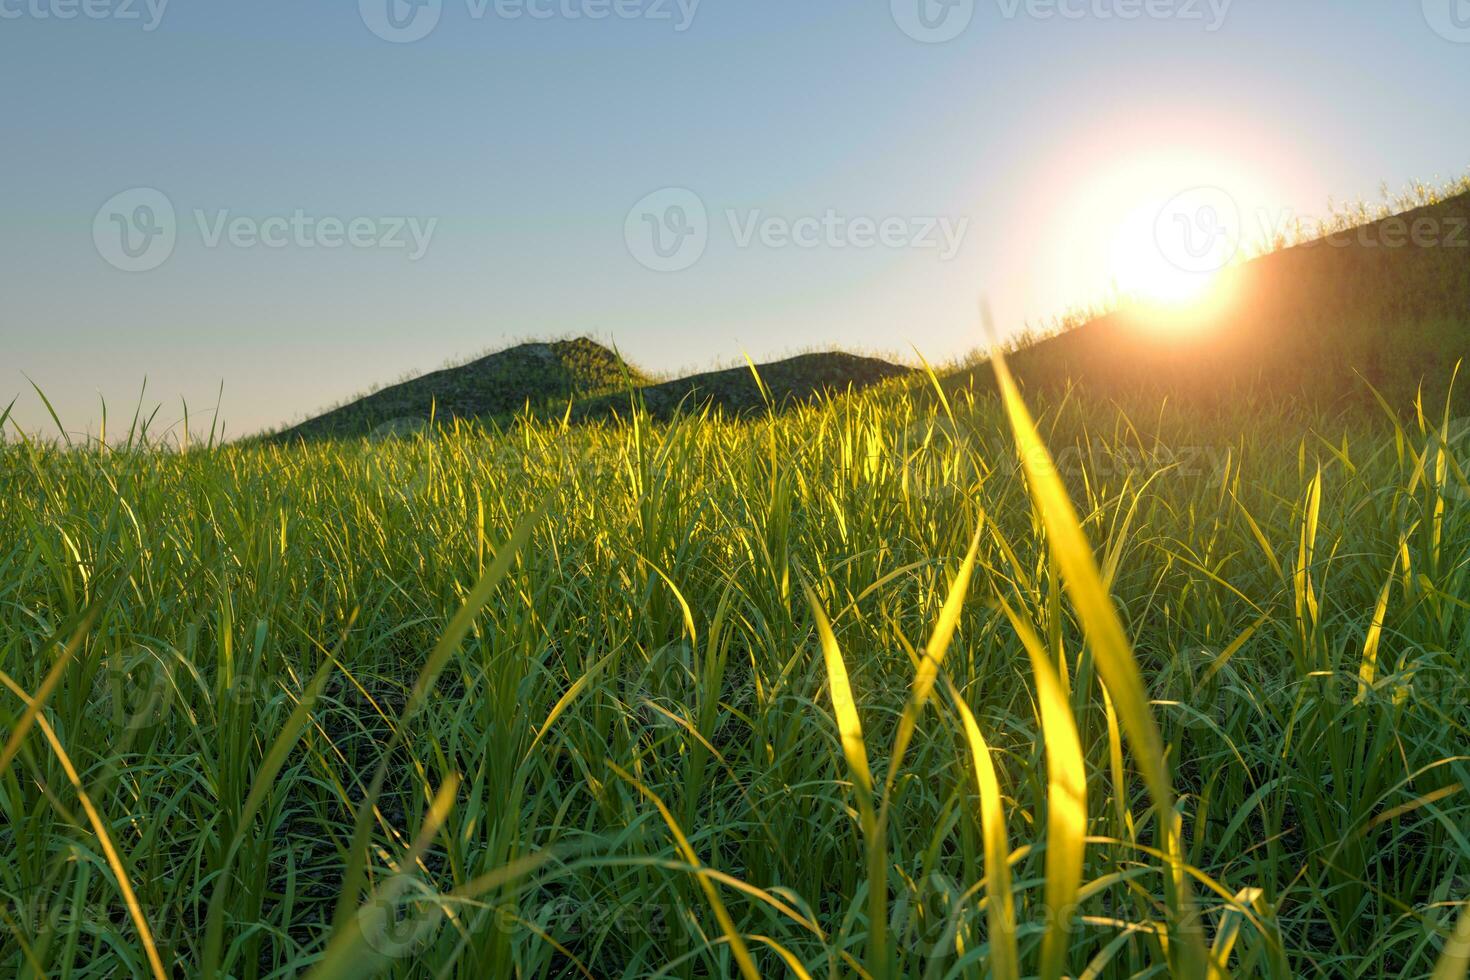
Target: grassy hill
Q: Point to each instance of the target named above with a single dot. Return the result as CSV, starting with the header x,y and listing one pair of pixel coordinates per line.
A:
x,y
1385,301
547,375
735,391
494,385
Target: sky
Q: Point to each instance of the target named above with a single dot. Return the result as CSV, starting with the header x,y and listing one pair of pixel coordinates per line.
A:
x,y
272,206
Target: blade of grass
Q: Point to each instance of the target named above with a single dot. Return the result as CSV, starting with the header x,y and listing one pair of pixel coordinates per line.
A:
x,y
928,670
1368,670
1454,963
99,828
1000,906
686,850
34,703
854,749
1112,652
1066,800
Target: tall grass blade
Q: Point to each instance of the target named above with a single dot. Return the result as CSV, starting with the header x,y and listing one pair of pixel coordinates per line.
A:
x,y
850,729
1454,962
1066,801
1000,906
727,925
1103,629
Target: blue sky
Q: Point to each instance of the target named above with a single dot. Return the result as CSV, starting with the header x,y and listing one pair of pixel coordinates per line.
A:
x,y
350,203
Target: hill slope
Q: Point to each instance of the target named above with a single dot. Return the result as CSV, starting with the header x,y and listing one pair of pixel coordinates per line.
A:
x,y
497,384
1387,302
595,378
735,392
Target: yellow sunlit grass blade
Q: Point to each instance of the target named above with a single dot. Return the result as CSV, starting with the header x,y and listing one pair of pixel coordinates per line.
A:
x,y
844,707
565,701
1306,593
850,728
1368,670
99,827
1111,649
1228,654
928,670
43,694
1066,800
1454,963
1000,906
792,963
1230,923
1115,768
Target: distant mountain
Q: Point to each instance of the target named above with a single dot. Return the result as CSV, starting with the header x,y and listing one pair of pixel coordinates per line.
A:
x,y
496,385
735,392
598,383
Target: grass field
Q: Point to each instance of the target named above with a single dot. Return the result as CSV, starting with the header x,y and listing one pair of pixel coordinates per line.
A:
x,y
838,692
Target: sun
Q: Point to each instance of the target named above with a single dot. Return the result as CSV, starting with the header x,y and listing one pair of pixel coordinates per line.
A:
x,y
1169,254
1156,229
1142,275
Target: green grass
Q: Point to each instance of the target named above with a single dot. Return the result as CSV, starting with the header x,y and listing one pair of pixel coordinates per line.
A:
x,y
1163,674
847,690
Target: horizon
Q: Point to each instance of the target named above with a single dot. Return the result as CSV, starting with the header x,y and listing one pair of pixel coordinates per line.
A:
x,y
352,203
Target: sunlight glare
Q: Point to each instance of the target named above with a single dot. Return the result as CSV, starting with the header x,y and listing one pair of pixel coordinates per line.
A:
x,y
1157,231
